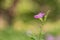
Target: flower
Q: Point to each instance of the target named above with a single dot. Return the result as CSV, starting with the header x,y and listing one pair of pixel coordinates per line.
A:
x,y
58,37
39,15
50,37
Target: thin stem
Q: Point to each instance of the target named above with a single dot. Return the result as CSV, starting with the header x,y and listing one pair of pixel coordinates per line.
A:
x,y
45,17
40,31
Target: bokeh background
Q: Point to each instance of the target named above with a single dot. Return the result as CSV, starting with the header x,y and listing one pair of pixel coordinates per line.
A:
x,y
17,18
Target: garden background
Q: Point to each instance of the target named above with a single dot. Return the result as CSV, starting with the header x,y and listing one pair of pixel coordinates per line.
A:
x,y
17,18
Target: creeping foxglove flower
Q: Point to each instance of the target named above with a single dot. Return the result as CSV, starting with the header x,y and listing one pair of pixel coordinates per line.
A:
x,y
50,37
39,15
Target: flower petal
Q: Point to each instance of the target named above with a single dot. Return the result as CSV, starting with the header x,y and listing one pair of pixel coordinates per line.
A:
x,y
36,16
40,15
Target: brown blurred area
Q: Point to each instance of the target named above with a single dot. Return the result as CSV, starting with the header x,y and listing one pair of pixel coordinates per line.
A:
x,y
3,22
6,15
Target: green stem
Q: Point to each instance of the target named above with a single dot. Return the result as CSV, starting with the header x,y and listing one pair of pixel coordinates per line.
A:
x,y
45,17
41,30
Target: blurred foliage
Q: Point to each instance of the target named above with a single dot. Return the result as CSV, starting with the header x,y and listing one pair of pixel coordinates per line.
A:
x,y
10,34
32,7
24,17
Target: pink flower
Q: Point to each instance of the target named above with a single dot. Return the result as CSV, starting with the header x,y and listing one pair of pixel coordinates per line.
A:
x,y
58,37
50,37
39,15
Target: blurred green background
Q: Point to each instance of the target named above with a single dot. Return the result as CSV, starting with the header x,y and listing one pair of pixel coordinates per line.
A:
x,y
17,17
